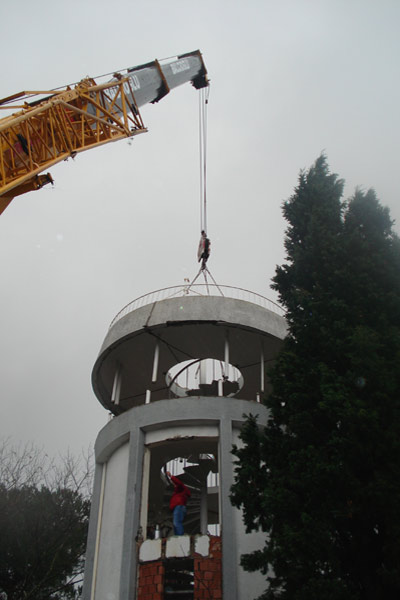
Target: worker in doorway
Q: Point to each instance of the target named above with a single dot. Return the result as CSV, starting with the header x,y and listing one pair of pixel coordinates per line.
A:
x,y
178,502
204,249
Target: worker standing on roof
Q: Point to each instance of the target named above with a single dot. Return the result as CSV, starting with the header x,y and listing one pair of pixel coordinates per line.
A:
x,y
178,502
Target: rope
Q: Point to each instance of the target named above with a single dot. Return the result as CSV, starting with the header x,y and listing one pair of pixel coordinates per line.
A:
x,y
201,157
203,103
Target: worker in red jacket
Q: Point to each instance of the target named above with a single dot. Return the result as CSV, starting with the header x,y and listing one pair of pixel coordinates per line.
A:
x,y
178,502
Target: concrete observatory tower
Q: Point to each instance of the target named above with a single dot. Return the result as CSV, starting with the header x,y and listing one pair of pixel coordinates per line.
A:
x,y
178,369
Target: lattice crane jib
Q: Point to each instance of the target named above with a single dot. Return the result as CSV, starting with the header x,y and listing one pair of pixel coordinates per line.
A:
x,y
62,123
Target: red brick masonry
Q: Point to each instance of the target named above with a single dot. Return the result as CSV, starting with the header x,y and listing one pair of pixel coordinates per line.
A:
x,y
208,572
207,575
151,581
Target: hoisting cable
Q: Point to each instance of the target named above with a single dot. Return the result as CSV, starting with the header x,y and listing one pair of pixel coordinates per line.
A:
x,y
204,245
203,104
201,157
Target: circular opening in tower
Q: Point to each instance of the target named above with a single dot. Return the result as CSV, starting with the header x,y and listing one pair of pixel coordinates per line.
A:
x,y
204,377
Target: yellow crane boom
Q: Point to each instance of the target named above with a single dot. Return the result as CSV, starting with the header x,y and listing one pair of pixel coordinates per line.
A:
x,y
67,121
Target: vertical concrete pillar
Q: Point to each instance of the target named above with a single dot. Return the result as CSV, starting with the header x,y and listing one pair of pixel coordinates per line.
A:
x,y
228,534
203,509
132,516
93,532
155,363
144,508
116,390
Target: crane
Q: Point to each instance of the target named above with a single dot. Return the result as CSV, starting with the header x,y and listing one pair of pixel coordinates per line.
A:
x,y
57,124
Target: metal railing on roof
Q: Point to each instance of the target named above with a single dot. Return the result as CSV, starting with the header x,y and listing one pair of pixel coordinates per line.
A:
x,y
199,289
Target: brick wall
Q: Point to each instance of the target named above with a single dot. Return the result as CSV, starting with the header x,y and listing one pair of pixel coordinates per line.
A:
x,y
151,581
208,573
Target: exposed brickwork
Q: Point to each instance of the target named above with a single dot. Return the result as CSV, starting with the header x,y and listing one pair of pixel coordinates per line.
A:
x,y
151,581
207,576
208,573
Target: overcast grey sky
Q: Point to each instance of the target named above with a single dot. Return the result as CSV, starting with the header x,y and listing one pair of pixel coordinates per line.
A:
x,y
289,79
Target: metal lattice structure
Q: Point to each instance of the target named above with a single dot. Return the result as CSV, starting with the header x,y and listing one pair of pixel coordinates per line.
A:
x,y
59,127
60,123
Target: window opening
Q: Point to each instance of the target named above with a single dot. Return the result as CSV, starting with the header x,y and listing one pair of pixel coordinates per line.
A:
x,y
198,472
179,579
204,377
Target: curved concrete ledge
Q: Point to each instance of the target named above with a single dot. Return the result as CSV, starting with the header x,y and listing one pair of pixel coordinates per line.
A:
x,y
199,289
193,412
197,309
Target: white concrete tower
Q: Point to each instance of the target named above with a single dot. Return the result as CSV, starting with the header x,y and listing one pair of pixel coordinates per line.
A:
x,y
178,370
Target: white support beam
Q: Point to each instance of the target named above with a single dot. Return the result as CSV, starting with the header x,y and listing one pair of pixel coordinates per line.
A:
x,y
203,509
262,369
155,363
116,389
203,371
226,358
144,506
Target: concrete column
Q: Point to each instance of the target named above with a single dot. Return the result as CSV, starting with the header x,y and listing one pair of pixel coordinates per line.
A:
x,y
144,505
203,509
116,390
92,533
226,354
132,515
229,565
155,363
262,370
203,371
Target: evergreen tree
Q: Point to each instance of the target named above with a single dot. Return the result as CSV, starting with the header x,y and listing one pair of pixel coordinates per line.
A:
x,y
325,472
44,513
43,536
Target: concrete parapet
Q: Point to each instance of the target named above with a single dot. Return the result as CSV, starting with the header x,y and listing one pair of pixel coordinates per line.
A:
x,y
150,550
177,546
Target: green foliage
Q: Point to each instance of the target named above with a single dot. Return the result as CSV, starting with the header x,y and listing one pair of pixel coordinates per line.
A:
x,y
43,536
44,512
324,474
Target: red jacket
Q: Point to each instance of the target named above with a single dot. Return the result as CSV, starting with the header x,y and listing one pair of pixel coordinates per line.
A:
x,y
180,494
